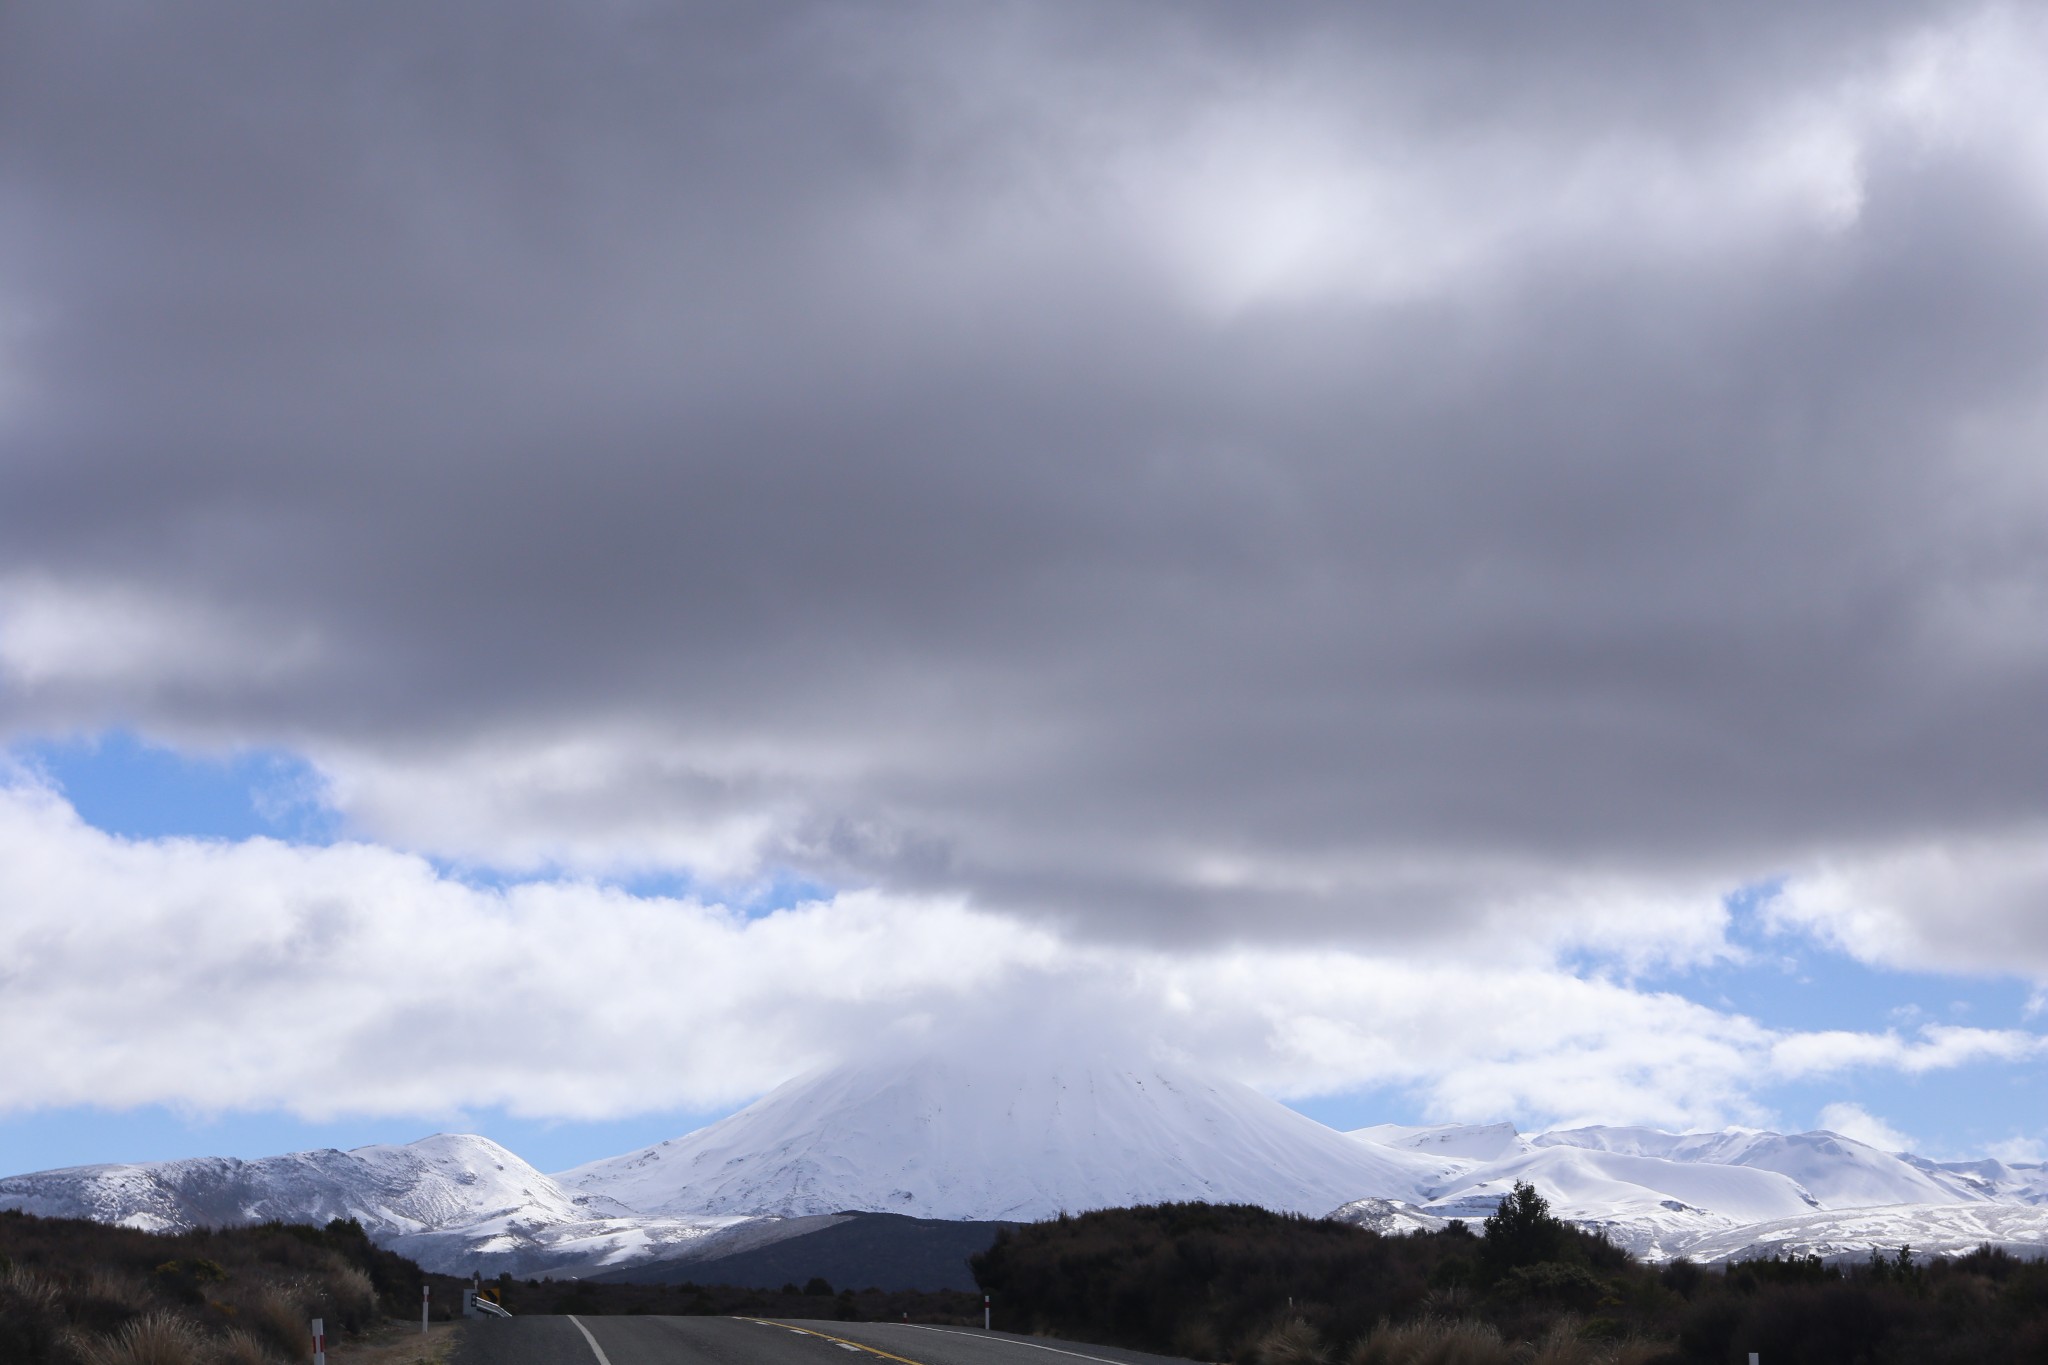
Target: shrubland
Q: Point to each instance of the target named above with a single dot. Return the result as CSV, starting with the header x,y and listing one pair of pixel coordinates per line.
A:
x,y
75,1292
1240,1284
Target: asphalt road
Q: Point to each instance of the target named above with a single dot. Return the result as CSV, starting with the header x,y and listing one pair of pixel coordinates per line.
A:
x,y
747,1341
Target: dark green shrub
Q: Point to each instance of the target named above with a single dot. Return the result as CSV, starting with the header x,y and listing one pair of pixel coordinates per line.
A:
x,y
1554,1282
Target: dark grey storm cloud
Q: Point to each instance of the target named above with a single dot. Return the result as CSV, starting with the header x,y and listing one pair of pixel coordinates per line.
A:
x,y
1181,467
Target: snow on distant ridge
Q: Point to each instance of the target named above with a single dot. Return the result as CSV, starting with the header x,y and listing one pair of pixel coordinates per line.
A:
x,y
1852,1234
452,1201
1839,1172
1711,1195
436,1182
1389,1217
2020,1183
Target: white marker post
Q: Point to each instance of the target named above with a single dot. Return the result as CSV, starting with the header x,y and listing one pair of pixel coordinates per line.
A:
x,y
984,1312
319,1342
426,1291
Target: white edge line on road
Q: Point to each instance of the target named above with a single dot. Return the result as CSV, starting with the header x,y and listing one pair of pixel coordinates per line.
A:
x,y
926,1327
602,1358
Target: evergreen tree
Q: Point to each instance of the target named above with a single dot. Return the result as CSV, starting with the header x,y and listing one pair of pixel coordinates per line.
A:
x,y
1522,1232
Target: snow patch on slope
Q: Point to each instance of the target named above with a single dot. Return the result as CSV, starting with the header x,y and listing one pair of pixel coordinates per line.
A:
x,y
1480,1142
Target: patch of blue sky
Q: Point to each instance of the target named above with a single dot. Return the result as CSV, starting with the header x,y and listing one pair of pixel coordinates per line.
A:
x,y
1794,983
1956,1113
1364,1108
780,889
45,1139
125,785
754,898
1786,979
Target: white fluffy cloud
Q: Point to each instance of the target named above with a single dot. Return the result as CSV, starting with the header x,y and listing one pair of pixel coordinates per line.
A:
x,y
354,978
1938,1048
1970,904
1854,1121
359,979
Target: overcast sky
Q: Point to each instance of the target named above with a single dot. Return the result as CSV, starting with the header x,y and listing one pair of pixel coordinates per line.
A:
x,y
1449,561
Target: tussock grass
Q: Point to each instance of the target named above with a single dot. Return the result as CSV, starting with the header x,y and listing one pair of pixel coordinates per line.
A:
x,y
162,1337
240,1348
276,1315
351,1297
1461,1341
1433,1341
1566,1344
1293,1342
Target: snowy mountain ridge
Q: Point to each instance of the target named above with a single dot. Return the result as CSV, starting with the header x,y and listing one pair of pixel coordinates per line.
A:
x,y
439,1181
451,1200
939,1138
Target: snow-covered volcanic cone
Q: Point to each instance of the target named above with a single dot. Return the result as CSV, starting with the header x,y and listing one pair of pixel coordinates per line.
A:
x,y
941,1137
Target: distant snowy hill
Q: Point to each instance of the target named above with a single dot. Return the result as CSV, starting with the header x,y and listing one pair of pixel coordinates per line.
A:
x,y
947,1139
1838,1172
1716,1195
2023,1183
1852,1234
437,1182
449,1201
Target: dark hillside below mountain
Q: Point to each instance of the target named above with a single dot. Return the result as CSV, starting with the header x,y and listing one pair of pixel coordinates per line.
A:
x,y
885,1251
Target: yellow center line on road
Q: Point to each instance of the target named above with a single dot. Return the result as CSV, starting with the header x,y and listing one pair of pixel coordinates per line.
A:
x,y
838,1341
1103,1360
